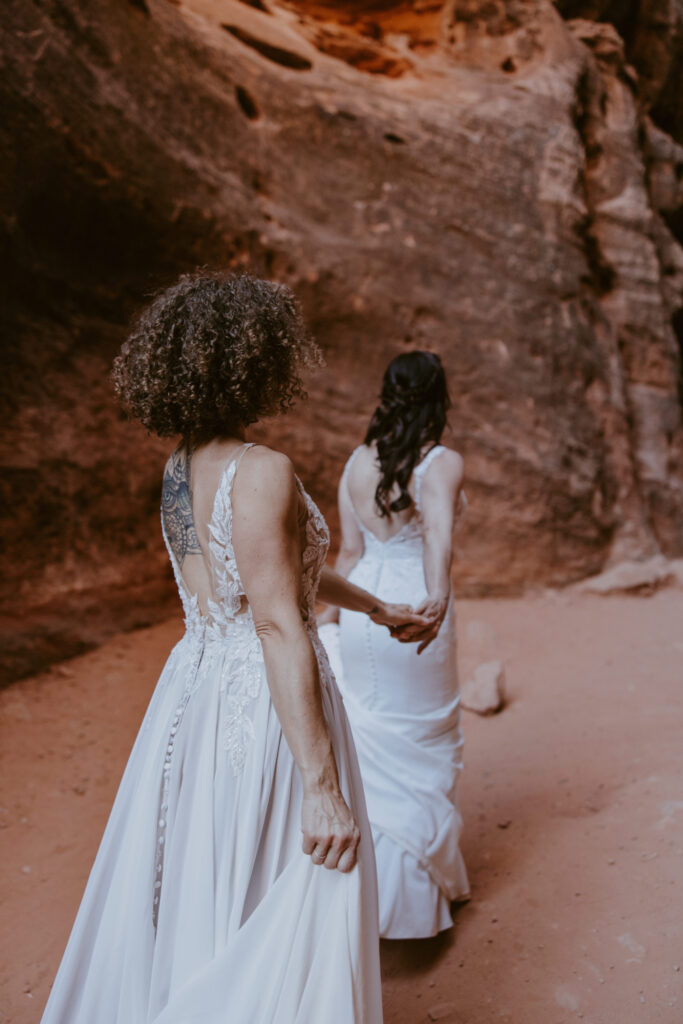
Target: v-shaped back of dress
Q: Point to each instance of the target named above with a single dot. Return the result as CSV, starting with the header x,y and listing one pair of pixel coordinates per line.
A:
x,y
208,580
412,528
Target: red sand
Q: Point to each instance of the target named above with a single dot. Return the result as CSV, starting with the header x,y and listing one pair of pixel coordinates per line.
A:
x,y
572,798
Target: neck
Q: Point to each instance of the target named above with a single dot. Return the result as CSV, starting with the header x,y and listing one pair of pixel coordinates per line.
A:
x,y
238,434
235,437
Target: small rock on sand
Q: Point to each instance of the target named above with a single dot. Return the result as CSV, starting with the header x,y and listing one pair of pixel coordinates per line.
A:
x,y
636,577
485,691
444,1011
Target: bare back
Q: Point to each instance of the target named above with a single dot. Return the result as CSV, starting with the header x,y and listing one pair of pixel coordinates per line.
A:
x,y
362,477
197,497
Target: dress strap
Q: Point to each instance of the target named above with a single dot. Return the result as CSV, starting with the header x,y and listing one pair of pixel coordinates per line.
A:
x,y
422,468
236,459
222,500
349,461
345,482
220,530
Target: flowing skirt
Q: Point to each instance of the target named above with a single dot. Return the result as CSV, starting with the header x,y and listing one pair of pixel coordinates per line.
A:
x,y
404,711
201,907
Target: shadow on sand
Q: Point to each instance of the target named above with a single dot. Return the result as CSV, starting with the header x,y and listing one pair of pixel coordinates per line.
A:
x,y
401,957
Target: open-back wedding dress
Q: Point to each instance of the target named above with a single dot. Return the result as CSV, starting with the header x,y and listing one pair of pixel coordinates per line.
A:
x,y
201,907
404,710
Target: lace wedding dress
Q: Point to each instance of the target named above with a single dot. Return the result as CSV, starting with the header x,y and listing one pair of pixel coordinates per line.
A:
x,y
404,710
201,907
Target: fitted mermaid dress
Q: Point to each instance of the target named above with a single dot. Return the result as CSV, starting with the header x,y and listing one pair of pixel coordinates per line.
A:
x,y
404,711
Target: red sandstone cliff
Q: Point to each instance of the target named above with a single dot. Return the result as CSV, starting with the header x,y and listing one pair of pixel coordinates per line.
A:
x,y
501,181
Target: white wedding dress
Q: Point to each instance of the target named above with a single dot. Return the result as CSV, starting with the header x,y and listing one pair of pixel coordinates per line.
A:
x,y
201,907
404,710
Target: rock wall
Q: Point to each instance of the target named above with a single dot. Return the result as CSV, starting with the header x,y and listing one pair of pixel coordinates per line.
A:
x,y
500,181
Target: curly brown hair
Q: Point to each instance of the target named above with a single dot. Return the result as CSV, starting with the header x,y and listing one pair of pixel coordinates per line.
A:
x,y
212,354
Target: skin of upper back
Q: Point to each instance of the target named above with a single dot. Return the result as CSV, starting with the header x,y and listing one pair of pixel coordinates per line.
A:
x,y
441,483
268,523
268,531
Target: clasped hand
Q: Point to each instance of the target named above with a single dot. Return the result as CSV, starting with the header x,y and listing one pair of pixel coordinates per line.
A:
x,y
413,625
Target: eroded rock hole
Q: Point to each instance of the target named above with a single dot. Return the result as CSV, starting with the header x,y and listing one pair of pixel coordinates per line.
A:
x,y
247,103
508,65
393,137
677,324
674,221
258,4
286,58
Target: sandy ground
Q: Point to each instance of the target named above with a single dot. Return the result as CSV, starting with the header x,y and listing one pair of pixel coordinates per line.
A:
x,y
572,798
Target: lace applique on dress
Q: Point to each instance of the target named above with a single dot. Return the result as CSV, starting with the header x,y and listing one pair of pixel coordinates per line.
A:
x,y
245,670
315,550
226,622
229,618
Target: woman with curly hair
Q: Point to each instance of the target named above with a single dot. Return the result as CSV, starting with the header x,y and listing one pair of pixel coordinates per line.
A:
x,y
201,907
398,498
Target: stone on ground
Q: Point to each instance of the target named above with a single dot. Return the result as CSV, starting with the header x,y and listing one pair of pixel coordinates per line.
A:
x,y
484,693
634,577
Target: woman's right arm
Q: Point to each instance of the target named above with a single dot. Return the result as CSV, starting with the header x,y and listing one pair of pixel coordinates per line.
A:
x,y
267,547
351,548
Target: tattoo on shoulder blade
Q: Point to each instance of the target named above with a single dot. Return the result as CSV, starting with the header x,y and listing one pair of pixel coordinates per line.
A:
x,y
176,508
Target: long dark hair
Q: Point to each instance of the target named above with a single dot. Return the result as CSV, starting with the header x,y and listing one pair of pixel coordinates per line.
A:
x,y
412,412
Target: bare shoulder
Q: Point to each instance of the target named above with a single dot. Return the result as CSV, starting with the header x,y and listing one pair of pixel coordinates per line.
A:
x,y
450,462
366,454
364,463
445,474
268,475
266,459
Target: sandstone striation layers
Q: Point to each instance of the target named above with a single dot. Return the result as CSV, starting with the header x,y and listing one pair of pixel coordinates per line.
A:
x,y
500,181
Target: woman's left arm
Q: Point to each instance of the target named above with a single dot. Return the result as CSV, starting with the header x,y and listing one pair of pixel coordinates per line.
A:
x,y
351,548
335,590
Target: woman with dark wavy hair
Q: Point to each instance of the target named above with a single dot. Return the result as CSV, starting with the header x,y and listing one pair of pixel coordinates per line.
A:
x,y
398,499
201,906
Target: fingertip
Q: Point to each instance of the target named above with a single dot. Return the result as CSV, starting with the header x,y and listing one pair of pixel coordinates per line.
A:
x,y
347,861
